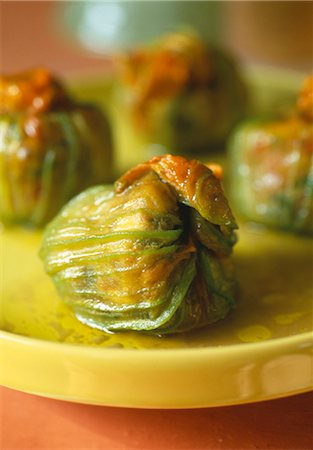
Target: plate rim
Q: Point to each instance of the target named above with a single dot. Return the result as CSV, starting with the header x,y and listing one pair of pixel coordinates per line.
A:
x,y
119,379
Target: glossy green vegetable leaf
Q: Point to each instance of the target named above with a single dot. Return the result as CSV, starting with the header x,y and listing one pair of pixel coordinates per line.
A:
x,y
140,256
39,173
51,147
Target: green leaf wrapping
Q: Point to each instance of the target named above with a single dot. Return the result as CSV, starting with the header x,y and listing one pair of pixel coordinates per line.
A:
x,y
272,173
272,167
202,118
39,173
181,93
139,256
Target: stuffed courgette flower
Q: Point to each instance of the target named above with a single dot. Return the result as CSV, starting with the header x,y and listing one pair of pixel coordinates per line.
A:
x,y
151,253
182,94
51,147
272,168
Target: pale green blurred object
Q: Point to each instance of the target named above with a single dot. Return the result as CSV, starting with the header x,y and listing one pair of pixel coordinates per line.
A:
x,y
272,173
181,95
107,27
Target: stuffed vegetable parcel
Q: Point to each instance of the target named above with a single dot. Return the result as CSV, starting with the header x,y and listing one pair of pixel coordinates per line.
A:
x,y
272,168
182,94
51,147
151,253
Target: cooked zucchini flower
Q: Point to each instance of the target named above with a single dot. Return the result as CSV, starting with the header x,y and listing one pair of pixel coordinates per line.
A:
x,y
182,93
51,147
150,254
272,168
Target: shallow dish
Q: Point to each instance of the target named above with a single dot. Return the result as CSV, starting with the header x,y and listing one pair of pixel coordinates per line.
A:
x,y
262,351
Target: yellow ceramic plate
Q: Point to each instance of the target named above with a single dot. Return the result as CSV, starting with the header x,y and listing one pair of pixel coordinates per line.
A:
x,y
262,351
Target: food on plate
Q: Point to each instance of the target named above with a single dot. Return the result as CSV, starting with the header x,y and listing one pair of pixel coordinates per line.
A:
x,y
151,253
181,94
51,147
272,168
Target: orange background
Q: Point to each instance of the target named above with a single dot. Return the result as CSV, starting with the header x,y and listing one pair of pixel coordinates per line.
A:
x,y
38,423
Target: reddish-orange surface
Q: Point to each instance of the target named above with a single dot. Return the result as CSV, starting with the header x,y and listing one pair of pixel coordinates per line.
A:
x,y
33,422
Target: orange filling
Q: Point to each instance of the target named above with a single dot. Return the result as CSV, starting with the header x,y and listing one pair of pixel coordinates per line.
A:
x,y
33,92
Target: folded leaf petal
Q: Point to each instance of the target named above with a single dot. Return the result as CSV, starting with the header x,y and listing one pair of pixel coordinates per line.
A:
x,y
150,254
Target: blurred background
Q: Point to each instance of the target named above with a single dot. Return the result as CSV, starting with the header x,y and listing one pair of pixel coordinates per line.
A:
x,y
78,37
